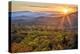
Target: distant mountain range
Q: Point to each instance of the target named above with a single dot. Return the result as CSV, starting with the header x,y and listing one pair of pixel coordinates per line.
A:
x,y
44,18
18,14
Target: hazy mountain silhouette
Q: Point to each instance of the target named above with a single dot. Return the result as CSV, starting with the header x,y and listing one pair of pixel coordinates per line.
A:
x,y
44,18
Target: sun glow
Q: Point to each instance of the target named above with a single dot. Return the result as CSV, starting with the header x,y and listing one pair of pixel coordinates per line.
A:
x,y
65,14
68,10
65,11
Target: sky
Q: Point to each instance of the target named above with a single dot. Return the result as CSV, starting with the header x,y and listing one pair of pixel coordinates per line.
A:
x,y
33,6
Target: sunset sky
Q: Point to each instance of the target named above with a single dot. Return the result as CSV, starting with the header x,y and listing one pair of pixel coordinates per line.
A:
x,y
32,6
